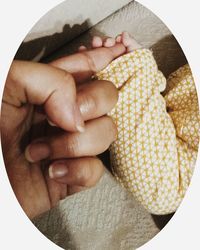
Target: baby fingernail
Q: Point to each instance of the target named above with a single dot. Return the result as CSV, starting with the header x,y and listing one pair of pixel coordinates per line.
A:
x,y
36,152
57,170
119,39
126,34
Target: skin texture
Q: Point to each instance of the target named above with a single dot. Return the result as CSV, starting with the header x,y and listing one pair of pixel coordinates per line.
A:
x,y
64,93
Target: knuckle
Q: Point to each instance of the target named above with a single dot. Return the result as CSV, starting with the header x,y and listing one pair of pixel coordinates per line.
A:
x,y
91,172
114,92
110,94
84,175
72,146
89,61
98,170
109,133
111,129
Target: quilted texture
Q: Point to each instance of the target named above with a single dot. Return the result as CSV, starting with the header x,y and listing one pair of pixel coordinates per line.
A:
x,y
104,217
155,152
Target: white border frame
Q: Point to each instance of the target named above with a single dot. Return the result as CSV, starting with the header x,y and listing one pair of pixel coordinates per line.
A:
x,y
16,19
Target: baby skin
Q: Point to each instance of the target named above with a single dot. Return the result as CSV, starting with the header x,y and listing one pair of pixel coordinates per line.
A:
x,y
158,134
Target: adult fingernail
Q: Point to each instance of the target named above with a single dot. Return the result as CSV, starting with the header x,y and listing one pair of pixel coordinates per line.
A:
x,y
80,126
36,152
51,123
57,170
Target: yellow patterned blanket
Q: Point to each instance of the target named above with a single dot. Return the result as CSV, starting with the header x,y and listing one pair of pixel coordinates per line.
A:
x,y
158,135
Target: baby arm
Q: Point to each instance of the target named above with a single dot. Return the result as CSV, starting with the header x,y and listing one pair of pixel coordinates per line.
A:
x,y
148,156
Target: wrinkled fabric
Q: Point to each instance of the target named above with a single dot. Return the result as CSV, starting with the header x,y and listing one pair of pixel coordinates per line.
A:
x,y
158,135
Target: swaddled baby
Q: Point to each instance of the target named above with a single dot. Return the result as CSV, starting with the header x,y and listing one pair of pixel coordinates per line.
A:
x,y
158,134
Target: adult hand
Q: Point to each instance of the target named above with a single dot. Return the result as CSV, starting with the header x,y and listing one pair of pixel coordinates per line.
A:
x,y
53,87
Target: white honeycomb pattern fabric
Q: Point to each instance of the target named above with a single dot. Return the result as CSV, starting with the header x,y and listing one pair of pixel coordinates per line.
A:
x,y
156,149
